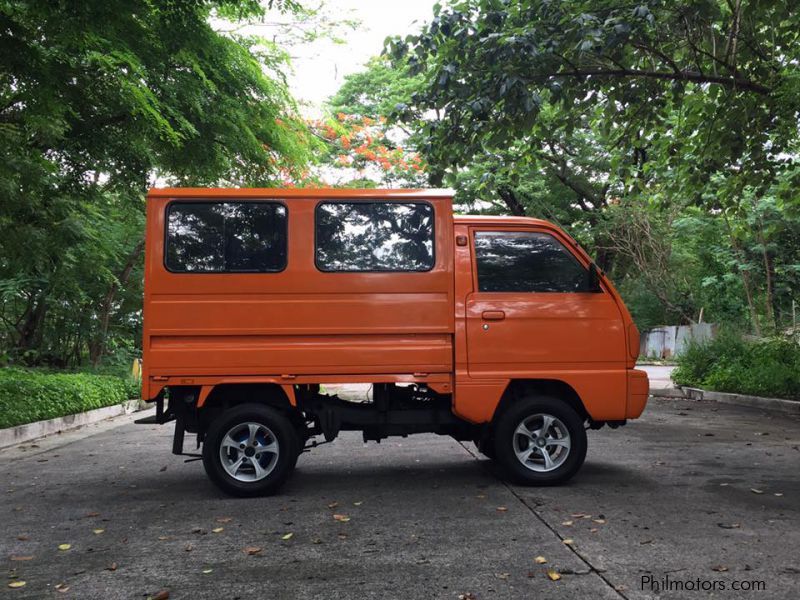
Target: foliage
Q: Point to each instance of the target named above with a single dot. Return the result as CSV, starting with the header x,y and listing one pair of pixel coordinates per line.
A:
x,y
28,395
656,132
96,103
731,363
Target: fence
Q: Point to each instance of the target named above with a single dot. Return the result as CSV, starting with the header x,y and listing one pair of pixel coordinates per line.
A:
x,y
672,340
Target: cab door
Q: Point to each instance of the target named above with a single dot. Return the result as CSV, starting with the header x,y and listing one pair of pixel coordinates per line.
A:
x,y
532,315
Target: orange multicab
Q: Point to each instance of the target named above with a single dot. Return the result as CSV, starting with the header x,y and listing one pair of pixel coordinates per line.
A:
x,y
258,302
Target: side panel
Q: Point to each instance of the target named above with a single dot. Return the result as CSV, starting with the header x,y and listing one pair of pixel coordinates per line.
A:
x,y
301,320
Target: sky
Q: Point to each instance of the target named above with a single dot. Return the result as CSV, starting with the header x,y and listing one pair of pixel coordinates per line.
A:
x,y
320,66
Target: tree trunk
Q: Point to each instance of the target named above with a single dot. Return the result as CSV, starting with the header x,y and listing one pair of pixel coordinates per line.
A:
x,y
97,346
512,202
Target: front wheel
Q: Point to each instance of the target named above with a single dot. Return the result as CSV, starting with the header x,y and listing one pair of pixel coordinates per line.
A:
x,y
250,450
540,440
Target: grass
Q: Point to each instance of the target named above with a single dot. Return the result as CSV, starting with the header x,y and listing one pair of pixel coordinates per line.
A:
x,y
28,395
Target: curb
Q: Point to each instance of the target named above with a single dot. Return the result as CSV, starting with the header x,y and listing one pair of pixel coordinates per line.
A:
x,y
29,431
788,407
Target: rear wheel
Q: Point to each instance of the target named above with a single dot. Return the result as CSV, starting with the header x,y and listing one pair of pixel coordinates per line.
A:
x,y
250,450
540,440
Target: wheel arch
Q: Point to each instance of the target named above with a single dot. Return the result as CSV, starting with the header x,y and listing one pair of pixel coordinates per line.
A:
x,y
555,388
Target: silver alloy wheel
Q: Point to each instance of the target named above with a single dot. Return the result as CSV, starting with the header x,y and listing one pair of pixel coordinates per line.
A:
x,y
541,442
249,451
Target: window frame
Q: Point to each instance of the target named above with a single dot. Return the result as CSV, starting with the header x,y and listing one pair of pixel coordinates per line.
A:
x,y
511,229
165,245
365,202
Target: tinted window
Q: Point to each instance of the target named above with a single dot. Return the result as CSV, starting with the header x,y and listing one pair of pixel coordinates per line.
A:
x,y
374,236
519,261
226,237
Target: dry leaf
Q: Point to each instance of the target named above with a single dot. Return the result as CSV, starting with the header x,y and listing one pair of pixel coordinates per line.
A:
x,y
64,546
21,558
756,491
287,536
23,538
224,519
62,587
599,521
207,571
719,568
316,541
162,595
593,530
98,531
341,518
778,494
502,575
579,515
729,526
17,584
188,547
333,504
251,550
357,503
567,523
540,560
467,596
93,514
111,567
553,574
218,530
501,509
568,541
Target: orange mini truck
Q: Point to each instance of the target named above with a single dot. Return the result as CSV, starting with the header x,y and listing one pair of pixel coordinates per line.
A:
x,y
498,330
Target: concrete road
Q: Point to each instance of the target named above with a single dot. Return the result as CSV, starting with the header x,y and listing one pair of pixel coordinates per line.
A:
x,y
692,492
659,376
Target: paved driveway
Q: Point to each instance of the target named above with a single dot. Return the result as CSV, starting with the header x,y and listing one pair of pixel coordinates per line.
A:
x,y
691,492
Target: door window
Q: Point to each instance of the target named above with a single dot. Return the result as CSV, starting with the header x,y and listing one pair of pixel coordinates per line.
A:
x,y
526,261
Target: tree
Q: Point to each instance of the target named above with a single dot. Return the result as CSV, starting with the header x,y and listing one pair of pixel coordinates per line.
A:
x,y
97,101
646,110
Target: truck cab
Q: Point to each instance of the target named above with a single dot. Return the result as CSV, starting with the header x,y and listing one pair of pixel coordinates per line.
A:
x,y
497,330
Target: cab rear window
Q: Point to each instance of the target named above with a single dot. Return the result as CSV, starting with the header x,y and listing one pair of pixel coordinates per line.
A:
x,y
226,237
374,236
526,261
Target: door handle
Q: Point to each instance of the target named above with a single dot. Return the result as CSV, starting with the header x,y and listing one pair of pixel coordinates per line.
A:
x,y
493,315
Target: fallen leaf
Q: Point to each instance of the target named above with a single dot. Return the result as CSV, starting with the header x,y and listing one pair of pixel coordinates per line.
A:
x,y
163,537
224,519
593,530
778,494
17,584
719,568
342,536
162,595
467,596
341,518
218,530
188,547
98,531
287,536
553,574
729,525
724,484
111,567
162,469
357,503
93,514
207,571
579,515
62,587
64,546
23,538
333,505
21,558
502,575
599,521
756,491
567,523
540,560
568,541
251,550
501,509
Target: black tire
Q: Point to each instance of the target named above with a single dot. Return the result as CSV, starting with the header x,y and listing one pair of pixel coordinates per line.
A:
x,y
506,441
277,424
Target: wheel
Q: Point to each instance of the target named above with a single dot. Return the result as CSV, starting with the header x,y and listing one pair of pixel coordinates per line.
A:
x,y
540,440
250,450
